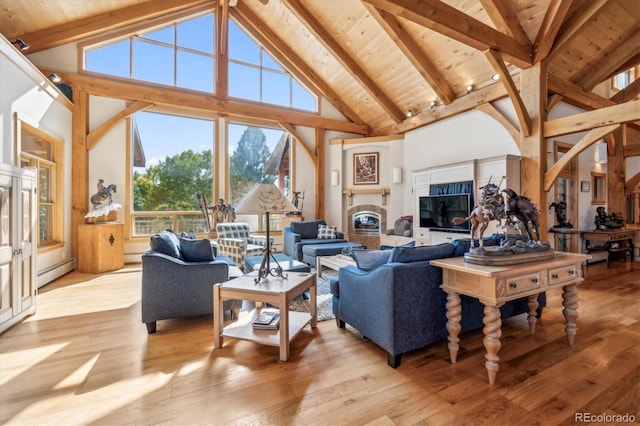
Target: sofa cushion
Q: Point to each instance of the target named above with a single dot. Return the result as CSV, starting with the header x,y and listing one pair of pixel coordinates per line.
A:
x,y
411,243
308,228
371,259
327,232
167,243
421,253
196,250
462,245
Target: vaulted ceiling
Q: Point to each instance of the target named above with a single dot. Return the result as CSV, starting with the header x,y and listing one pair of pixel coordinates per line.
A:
x,y
374,60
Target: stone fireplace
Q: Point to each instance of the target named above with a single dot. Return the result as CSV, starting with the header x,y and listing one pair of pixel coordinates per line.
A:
x,y
366,223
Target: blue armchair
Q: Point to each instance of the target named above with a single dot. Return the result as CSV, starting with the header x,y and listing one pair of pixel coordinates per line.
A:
x,y
178,277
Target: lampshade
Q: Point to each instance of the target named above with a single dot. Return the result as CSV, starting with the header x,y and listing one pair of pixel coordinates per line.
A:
x,y
600,155
265,197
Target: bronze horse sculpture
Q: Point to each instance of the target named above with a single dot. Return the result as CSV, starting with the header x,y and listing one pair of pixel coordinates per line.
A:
x,y
519,212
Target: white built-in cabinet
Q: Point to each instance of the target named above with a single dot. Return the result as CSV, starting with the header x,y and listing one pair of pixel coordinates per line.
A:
x,y
480,171
18,244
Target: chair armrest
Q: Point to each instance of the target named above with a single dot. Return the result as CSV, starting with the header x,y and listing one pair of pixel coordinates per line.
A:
x,y
339,235
259,240
290,239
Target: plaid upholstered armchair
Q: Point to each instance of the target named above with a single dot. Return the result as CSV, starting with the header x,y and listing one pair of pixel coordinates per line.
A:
x,y
235,240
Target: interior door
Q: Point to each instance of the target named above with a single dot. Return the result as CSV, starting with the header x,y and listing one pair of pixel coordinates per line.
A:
x,y
7,302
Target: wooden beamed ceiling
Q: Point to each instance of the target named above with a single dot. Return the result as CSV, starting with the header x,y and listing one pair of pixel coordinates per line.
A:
x,y
374,60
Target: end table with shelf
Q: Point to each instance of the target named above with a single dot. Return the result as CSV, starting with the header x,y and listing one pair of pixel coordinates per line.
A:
x,y
614,242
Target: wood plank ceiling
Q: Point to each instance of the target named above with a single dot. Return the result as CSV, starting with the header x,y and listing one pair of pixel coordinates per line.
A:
x,y
374,60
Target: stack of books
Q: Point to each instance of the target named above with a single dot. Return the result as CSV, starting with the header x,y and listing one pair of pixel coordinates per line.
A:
x,y
267,320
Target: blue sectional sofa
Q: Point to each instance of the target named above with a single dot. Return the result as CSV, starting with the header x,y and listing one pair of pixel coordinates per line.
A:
x,y
396,302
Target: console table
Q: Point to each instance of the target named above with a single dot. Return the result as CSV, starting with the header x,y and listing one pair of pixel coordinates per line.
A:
x,y
613,241
496,285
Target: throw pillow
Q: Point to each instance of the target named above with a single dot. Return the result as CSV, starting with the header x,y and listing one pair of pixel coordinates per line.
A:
x,y
411,243
327,232
189,234
167,243
307,229
196,250
371,259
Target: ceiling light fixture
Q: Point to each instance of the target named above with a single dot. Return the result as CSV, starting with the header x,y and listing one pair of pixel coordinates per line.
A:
x,y
409,114
495,77
432,104
21,44
470,88
55,78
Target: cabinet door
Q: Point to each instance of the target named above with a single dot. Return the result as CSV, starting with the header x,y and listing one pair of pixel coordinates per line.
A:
x,y
26,245
7,302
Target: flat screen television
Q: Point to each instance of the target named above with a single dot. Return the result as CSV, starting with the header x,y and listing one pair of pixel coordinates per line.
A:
x,y
437,212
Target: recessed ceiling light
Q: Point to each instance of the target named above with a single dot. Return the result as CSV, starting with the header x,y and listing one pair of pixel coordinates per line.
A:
x,y
432,104
470,88
409,114
495,77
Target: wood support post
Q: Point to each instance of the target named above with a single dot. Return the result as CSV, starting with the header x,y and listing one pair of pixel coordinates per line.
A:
x,y
79,166
616,174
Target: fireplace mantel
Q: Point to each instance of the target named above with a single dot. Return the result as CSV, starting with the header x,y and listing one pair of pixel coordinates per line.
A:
x,y
349,192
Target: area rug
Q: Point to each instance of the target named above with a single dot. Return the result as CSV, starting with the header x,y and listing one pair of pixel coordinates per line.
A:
x,y
325,311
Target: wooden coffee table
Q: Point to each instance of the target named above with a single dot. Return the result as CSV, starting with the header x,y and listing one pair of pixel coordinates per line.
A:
x,y
275,291
333,262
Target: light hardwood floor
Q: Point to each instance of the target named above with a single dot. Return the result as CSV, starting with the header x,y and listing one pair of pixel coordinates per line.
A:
x,y
85,358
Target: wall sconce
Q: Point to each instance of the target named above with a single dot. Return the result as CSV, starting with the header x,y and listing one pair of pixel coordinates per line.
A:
x,y
397,175
21,44
55,78
432,105
335,178
470,88
600,156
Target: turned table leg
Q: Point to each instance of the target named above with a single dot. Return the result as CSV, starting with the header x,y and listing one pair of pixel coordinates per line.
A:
x,y
570,311
454,315
492,332
532,304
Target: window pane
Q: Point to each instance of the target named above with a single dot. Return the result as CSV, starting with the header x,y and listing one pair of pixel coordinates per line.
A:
x,y
45,222
44,181
302,98
275,88
244,82
152,63
241,46
35,146
197,34
269,62
102,59
164,35
195,71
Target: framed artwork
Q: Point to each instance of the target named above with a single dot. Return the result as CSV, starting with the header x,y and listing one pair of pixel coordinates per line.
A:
x,y
584,186
365,168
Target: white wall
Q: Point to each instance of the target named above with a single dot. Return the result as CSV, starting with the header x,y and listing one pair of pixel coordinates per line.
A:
x,y
28,95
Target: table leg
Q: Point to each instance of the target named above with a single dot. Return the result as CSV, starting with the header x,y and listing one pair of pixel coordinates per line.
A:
x,y
454,315
313,303
284,328
570,311
218,317
318,267
532,304
492,333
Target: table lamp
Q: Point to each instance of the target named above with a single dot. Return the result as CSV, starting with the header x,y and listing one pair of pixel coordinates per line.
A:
x,y
266,198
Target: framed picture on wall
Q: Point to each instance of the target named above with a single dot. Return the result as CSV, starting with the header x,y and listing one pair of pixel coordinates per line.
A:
x,y
584,186
365,168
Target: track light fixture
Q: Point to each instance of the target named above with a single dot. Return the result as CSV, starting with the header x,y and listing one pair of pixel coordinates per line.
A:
x,y
495,77
470,88
55,78
21,44
432,104
409,113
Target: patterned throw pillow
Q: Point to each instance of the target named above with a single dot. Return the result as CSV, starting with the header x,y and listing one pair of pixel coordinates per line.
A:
x,y
327,232
371,259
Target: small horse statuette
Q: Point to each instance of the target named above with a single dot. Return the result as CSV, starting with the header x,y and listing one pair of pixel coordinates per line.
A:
x,y
104,193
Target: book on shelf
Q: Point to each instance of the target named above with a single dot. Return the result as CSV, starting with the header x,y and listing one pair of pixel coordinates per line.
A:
x,y
267,320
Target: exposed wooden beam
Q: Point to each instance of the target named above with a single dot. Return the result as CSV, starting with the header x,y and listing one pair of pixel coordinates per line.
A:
x,y
345,58
587,140
552,101
294,63
460,105
617,114
595,73
572,26
576,95
94,137
414,53
447,20
293,132
492,112
505,20
100,24
553,19
161,95
632,183
628,93
499,66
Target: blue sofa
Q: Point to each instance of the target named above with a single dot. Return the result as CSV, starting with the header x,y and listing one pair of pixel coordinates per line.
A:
x,y
178,275
299,234
396,302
